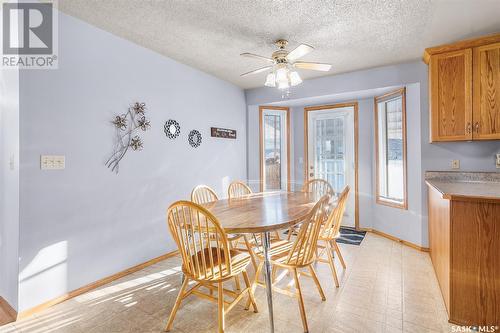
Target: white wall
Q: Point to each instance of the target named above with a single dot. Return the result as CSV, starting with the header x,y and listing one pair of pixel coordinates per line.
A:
x,y
84,223
9,184
410,225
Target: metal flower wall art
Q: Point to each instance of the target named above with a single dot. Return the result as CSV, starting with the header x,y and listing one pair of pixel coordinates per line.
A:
x,y
127,126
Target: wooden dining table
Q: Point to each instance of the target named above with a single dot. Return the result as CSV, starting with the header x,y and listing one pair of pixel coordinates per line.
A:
x,y
263,213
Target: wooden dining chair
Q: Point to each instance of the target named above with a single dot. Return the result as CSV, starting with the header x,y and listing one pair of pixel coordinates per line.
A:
x,y
207,259
238,189
330,231
319,187
202,194
296,255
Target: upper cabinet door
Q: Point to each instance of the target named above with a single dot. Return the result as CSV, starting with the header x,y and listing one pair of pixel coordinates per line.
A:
x,y
487,92
450,94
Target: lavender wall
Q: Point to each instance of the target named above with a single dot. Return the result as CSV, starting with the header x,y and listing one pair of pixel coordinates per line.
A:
x,y
83,223
9,184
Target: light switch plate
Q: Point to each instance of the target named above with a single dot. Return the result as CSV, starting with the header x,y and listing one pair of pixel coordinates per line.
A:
x,y
455,164
498,161
52,162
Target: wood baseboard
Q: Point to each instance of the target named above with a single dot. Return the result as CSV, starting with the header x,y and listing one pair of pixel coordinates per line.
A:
x,y
7,313
94,285
399,240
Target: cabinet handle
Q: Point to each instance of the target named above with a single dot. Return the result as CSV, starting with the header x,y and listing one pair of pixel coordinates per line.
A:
x,y
477,127
469,127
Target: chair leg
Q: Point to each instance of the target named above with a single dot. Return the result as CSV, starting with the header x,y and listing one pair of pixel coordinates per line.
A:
x,y
250,251
220,301
277,234
251,299
316,281
301,300
337,249
331,263
236,280
237,283
256,279
273,275
178,301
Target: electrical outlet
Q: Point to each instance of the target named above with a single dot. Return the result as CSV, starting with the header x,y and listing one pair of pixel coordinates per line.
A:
x,y
455,164
52,162
498,161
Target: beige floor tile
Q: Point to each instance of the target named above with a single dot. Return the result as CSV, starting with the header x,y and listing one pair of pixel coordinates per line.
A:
x,y
386,287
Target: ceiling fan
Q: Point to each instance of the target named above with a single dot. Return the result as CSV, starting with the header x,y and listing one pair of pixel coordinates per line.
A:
x,y
283,63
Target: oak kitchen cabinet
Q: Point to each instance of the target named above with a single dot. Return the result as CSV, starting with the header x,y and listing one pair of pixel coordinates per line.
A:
x,y
464,242
464,90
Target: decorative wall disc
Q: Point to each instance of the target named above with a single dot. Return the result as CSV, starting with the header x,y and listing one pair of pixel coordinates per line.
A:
x,y
194,138
172,129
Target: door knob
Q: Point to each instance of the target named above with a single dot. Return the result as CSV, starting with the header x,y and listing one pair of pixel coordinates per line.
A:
x,y
477,126
311,174
469,127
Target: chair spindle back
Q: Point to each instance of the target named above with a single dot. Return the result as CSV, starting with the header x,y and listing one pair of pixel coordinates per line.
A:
x,y
202,242
332,225
238,189
319,186
304,248
202,194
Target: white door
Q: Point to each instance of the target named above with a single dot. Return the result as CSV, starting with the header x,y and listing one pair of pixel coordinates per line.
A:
x,y
330,137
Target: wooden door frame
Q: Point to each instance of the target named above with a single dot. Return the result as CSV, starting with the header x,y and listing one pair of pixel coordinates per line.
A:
x,y
261,133
356,139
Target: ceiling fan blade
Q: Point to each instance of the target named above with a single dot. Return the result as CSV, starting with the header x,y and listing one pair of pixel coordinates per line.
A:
x,y
255,71
299,52
315,66
256,56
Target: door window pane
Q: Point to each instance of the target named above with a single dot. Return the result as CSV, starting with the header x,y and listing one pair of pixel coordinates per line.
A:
x,y
330,163
272,151
391,149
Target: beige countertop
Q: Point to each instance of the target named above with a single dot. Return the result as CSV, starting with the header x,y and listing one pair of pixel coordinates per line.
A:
x,y
460,189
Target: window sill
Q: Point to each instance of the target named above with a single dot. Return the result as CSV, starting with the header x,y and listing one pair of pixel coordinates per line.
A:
x,y
393,204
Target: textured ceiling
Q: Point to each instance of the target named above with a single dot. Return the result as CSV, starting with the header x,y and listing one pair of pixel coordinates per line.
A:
x,y
351,35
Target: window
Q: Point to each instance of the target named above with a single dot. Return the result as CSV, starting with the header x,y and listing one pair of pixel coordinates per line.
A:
x,y
274,147
390,140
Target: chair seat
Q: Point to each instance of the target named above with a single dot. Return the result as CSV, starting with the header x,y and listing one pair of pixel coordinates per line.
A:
x,y
239,261
324,235
279,251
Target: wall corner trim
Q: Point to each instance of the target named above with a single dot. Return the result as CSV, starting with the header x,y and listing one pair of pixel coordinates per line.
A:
x,y
393,238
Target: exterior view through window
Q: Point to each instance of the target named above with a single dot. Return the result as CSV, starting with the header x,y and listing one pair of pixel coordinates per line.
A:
x,y
390,136
274,149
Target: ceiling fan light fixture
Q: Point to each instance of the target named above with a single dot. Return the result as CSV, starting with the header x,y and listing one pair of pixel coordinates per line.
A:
x,y
283,85
282,74
270,80
295,78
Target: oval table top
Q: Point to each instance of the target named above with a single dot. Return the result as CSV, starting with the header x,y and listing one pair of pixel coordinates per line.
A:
x,y
262,212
